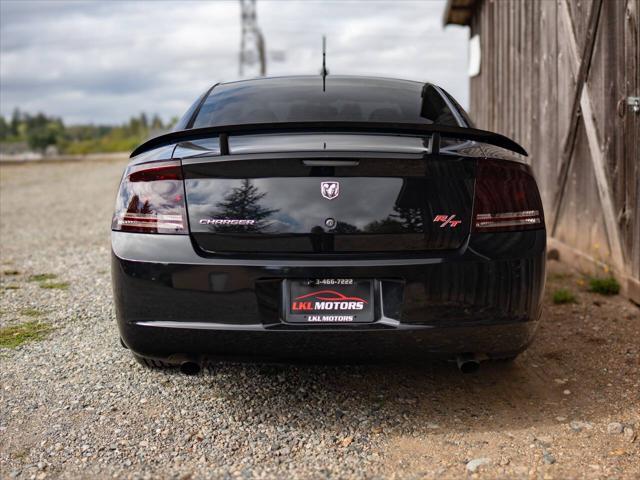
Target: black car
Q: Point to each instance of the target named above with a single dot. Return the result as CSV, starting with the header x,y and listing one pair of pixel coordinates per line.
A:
x,y
353,218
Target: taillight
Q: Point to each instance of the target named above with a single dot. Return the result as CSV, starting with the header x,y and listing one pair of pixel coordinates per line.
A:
x,y
506,198
151,199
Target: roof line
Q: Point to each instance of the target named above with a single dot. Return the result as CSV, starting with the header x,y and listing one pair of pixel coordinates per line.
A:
x,y
373,77
459,12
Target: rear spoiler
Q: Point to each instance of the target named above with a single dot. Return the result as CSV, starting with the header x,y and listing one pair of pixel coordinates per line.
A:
x,y
223,131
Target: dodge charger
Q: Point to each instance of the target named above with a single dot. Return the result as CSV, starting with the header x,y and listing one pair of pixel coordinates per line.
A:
x,y
343,218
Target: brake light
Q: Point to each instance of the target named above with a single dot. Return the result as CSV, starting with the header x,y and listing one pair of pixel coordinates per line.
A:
x,y
151,200
506,198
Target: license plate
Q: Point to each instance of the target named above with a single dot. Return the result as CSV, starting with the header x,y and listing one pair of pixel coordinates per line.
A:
x,y
329,300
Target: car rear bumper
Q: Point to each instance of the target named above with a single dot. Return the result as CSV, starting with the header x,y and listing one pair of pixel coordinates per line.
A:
x,y
173,303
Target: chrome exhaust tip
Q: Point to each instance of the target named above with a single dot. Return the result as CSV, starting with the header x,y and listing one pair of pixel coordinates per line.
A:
x,y
468,363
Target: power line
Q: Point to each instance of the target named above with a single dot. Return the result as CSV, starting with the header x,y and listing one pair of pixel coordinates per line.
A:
x,y
252,50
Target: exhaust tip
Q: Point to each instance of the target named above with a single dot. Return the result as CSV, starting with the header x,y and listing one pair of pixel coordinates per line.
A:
x,y
468,363
190,368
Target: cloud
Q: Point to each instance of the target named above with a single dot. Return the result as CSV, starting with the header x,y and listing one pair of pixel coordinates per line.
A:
x,y
102,62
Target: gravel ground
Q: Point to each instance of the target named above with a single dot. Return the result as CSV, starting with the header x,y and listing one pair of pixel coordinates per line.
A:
x,y
76,405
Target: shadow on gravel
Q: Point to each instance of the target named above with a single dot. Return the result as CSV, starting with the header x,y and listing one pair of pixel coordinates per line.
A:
x,y
583,365
422,397
571,372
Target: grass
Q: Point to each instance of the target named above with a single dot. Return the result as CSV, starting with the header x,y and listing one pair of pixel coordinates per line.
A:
x,y
55,285
31,312
21,454
563,296
15,335
42,277
604,286
10,287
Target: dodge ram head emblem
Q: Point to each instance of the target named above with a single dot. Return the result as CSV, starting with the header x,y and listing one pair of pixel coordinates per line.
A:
x,y
330,190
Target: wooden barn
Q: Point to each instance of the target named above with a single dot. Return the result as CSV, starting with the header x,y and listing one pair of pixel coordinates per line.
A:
x,y
561,77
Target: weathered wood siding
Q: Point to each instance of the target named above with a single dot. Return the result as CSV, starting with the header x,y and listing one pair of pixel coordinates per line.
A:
x,y
525,90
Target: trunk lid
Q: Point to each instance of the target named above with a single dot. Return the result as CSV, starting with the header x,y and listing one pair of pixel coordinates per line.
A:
x,y
328,203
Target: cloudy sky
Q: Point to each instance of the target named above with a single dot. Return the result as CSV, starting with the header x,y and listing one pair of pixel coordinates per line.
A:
x,y
102,62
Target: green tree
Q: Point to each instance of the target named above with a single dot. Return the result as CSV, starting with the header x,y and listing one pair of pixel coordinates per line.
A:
x,y
40,130
156,123
41,135
16,117
243,203
5,129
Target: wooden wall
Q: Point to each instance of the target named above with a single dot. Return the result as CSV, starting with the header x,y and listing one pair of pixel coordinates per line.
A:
x,y
531,57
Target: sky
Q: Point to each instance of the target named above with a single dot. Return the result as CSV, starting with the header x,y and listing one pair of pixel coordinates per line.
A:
x,y
102,62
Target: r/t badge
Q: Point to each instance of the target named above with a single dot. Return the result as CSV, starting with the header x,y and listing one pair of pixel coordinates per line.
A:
x,y
445,220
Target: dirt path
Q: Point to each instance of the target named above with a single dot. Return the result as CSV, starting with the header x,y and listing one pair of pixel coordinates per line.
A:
x,y
75,405
547,415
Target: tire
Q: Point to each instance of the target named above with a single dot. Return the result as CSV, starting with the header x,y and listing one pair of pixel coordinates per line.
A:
x,y
152,363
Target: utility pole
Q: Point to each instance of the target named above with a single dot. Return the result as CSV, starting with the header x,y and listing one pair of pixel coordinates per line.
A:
x,y
252,49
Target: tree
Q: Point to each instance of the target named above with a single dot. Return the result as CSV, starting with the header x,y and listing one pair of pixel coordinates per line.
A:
x,y
40,131
387,225
243,203
344,227
16,118
403,219
5,129
156,123
41,135
411,218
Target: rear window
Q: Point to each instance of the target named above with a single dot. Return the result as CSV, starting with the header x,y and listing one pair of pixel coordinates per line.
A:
x,y
344,99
